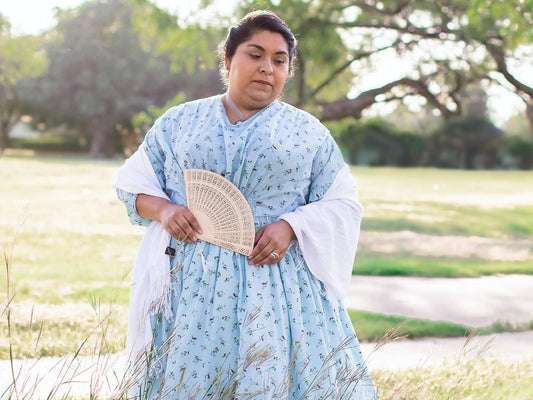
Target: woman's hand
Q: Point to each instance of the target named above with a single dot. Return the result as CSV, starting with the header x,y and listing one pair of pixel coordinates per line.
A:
x,y
271,240
177,220
180,222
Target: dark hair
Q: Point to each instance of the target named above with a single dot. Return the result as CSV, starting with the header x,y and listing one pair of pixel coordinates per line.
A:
x,y
252,23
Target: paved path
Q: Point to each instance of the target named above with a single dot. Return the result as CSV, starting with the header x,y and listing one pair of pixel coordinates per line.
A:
x,y
474,302
401,354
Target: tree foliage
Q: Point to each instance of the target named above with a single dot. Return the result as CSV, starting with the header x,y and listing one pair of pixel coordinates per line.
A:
x,y
447,43
189,49
20,58
503,30
113,59
99,73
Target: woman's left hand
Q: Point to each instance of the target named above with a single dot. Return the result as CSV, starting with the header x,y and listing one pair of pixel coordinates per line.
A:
x,y
271,243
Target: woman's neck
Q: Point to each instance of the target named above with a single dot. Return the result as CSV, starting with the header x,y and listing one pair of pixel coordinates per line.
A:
x,y
234,113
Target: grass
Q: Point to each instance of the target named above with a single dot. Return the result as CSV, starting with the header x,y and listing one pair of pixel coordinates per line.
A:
x,y
403,186
442,219
431,267
73,250
372,327
483,379
447,202
82,263
60,335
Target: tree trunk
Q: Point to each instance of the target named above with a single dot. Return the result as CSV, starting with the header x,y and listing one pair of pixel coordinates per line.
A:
x,y
470,153
5,127
3,139
101,146
529,115
301,82
9,114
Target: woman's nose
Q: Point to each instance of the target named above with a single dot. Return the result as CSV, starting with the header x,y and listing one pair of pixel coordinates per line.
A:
x,y
266,66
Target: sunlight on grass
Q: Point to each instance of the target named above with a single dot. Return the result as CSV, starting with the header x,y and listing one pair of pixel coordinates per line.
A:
x,y
59,337
444,219
483,379
408,186
46,330
74,257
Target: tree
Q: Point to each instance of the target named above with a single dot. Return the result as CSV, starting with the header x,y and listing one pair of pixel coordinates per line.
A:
x,y
503,29
451,43
99,73
20,58
339,39
322,64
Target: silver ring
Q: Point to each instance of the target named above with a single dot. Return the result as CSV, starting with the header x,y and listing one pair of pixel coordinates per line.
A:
x,y
274,255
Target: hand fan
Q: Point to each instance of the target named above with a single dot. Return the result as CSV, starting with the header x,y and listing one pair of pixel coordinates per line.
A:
x,y
221,210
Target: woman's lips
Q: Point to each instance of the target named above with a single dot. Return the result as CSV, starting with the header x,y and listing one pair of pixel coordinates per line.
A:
x,y
264,83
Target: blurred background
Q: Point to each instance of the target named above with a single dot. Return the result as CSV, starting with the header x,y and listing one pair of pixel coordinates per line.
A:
x,y
399,83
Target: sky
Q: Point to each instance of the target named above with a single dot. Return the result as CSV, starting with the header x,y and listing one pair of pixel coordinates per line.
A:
x,y
37,16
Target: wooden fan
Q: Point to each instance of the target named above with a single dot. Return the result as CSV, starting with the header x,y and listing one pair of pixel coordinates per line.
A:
x,y
221,210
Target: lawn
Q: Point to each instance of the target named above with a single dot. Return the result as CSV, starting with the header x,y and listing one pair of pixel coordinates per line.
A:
x,y
69,249
447,202
464,380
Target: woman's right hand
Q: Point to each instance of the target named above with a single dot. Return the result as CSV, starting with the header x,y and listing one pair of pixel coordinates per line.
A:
x,y
180,222
177,220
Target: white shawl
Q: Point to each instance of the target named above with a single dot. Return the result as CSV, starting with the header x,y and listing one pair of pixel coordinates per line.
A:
x,y
327,232
150,287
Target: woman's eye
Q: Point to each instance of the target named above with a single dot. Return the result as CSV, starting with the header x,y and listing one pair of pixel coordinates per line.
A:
x,y
255,56
280,61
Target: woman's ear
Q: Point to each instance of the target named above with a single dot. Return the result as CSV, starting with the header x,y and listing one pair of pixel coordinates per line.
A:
x,y
227,62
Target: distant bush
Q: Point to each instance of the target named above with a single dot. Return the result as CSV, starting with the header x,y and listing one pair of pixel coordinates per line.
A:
x,y
520,148
52,142
378,142
464,142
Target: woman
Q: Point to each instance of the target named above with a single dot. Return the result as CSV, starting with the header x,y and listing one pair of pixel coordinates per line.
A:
x,y
224,325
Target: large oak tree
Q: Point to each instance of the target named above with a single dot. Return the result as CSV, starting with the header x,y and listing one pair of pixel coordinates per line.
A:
x,y
452,43
99,73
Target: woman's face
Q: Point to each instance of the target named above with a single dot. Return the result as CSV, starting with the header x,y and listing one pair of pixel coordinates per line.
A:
x,y
258,70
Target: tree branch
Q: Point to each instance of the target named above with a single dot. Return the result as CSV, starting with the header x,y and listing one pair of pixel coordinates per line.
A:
x,y
437,31
433,32
498,55
300,72
354,107
347,64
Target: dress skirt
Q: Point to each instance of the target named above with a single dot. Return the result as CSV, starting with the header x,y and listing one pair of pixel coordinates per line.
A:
x,y
244,332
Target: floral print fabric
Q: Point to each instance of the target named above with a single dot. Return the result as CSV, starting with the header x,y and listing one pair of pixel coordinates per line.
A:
x,y
240,331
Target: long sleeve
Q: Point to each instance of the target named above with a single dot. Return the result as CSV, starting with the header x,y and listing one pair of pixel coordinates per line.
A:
x,y
129,200
153,146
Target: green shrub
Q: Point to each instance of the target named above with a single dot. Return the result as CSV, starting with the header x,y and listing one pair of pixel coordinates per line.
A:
x,y
520,147
49,142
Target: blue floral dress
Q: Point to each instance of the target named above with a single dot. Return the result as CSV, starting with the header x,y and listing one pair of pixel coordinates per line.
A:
x,y
240,331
